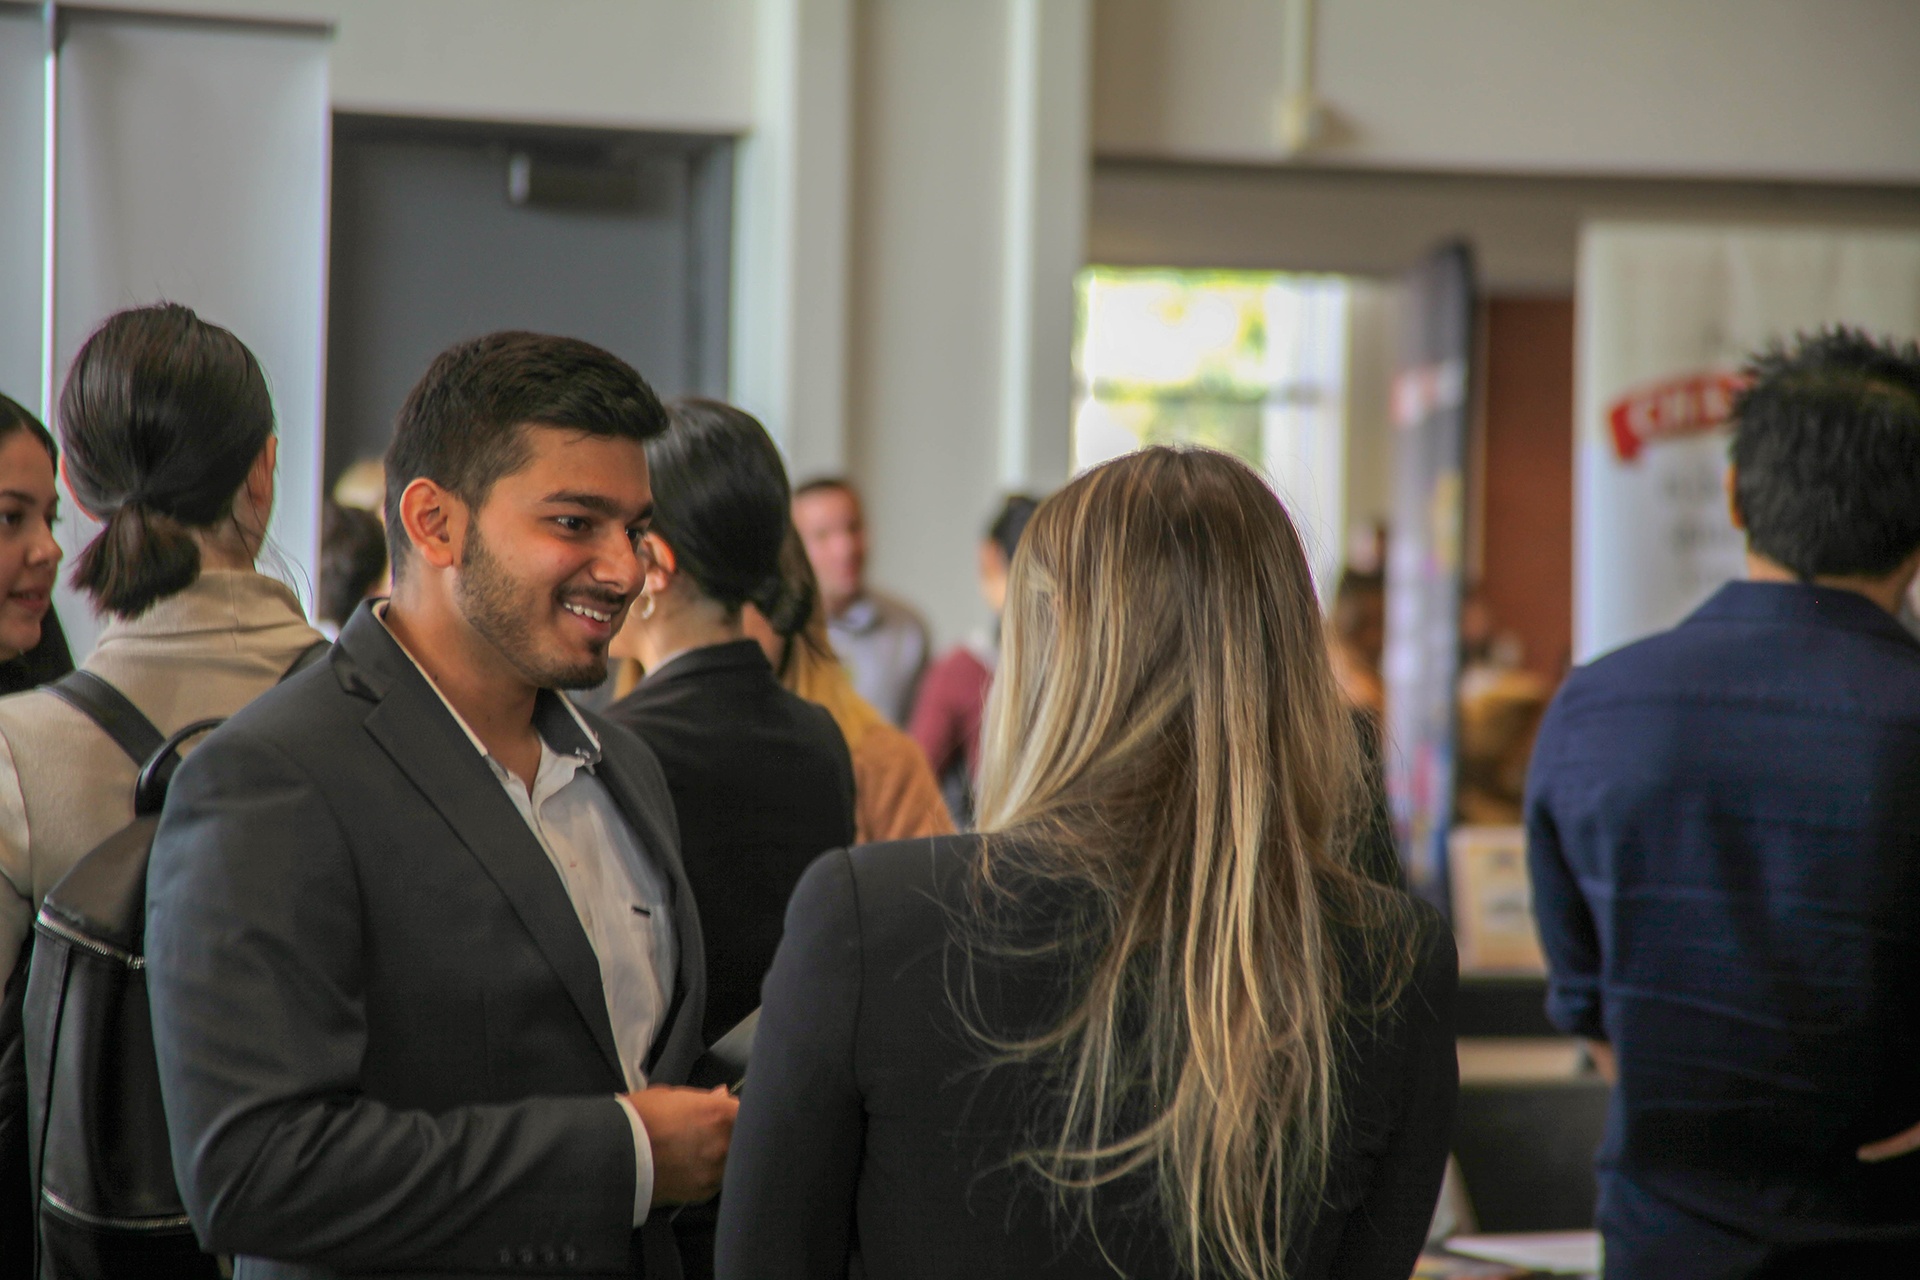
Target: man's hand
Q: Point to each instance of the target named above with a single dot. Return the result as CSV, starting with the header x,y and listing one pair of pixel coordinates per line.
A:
x,y
1899,1144
689,1131
1604,1063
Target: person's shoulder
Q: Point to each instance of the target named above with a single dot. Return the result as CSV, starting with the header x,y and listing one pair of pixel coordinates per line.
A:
x,y
27,713
817,724
894,613
291,710
641,708
1630,662
621,745
1436,970
958,670
900,885
1400,969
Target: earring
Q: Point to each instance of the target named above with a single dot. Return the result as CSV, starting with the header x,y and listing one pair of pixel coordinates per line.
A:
x,y
646,604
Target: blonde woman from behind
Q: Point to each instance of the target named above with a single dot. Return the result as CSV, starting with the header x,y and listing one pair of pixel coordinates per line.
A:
x,y
1154,1020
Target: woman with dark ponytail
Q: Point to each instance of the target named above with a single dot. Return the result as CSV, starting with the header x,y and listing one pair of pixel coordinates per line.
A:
x,y
166,435
761,778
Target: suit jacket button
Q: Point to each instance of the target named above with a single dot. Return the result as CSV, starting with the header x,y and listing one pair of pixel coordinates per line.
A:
x,y
506,1257
550,1256
570,1255
526,1255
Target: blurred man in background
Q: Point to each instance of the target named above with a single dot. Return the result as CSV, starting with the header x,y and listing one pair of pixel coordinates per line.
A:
x,y
1723,825
882,640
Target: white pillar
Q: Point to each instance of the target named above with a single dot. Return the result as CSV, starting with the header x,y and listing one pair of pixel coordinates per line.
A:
x,y
1044,208
791,203
968,213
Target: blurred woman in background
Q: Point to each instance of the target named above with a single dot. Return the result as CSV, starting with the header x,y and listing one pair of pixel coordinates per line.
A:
x,y
1156,1021
167,432
760,778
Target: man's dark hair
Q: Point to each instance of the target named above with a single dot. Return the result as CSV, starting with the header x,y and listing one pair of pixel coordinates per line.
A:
x,y
827,484
461,424
353,555
1826,454
1010,522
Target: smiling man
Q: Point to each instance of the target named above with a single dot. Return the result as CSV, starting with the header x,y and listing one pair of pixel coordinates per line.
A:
x,y
423,959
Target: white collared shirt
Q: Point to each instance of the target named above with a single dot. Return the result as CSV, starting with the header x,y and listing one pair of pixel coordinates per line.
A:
x,y
619,894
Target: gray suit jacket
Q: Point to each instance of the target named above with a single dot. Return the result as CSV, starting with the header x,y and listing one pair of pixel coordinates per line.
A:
x,y
382,1037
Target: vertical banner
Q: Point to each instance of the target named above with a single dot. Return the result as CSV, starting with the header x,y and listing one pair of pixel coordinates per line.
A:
x,y
193,167
1425,559
1666,316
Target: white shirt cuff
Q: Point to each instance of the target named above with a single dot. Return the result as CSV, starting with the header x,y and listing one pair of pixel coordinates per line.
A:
x,y
642,1163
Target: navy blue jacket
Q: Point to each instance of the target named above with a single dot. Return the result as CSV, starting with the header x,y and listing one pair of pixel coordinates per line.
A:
x,y
1723,825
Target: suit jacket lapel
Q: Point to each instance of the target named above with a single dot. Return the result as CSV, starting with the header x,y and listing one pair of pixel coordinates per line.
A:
x,y
425,742
664,847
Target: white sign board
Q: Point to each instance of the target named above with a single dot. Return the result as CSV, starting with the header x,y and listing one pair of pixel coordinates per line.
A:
x,y
1666,316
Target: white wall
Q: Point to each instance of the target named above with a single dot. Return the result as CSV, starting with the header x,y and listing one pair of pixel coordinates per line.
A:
x,y
1756,88
1525,230
683,65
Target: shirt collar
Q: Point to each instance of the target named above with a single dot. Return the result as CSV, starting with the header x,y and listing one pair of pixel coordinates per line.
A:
x,y
1804,603
860,617
555,718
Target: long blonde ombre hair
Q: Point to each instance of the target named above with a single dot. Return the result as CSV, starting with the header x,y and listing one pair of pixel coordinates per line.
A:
x,y
1165,731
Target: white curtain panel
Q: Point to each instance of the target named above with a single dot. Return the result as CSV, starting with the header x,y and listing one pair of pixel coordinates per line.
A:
x,y
1666,315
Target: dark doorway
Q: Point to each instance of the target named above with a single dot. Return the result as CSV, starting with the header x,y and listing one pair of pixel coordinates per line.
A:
x,y
444,230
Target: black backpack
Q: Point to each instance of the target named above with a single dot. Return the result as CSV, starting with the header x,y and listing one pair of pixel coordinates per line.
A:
x,y
107,1205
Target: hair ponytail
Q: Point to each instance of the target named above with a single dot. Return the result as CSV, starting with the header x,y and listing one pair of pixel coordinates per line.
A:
x,y
141,556
787,603
162,418
724,508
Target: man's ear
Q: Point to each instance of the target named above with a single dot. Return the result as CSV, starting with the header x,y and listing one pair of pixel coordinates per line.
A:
x,y
436,522
1732,482
661,563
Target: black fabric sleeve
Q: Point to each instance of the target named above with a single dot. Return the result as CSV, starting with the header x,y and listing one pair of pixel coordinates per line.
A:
x,y
787,1206
1384,1234
1376,854
1568,935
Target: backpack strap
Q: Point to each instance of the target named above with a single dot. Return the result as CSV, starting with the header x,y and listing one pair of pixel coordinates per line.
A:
x,y
120,720
112,710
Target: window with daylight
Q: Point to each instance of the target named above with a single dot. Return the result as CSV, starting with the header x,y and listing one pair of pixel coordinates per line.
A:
x,y
1251,362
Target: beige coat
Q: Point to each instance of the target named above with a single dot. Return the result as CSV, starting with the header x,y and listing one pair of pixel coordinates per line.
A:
x,y
65,786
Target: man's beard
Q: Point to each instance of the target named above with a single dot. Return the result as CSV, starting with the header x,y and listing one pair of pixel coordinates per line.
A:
x,y
504,612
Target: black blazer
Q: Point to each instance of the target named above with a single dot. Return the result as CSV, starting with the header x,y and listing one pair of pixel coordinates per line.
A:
x,y
763,785
382,1037
870,1133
